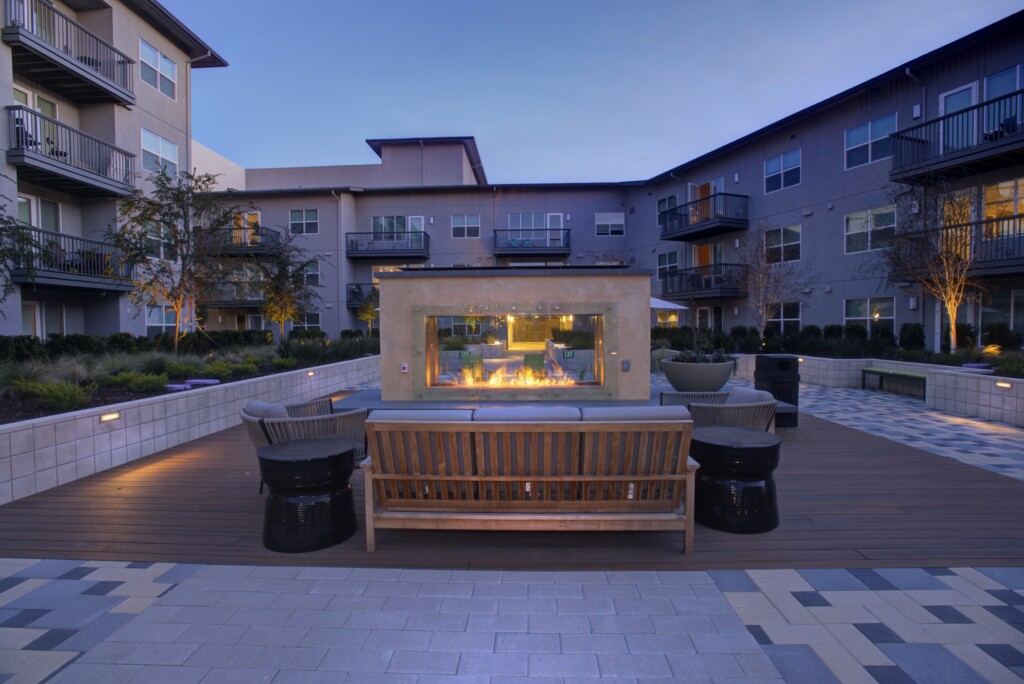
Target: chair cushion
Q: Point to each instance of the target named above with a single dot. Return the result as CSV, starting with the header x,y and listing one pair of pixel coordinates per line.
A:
x,y
262,409
531,414
637,413
745,395
422,415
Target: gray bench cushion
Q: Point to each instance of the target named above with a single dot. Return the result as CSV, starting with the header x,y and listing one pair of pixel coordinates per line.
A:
x,y
532,414
261,409
631,413
422,415
744,395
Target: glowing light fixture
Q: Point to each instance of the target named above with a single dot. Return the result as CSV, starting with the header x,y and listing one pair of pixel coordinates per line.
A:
x,y
310,373
1004,385
107,417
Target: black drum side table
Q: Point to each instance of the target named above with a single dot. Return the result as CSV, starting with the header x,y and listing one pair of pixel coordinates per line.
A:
x,y
735,487
310,504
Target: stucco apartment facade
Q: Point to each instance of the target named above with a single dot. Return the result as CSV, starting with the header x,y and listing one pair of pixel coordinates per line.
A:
x,y
100,97
824,189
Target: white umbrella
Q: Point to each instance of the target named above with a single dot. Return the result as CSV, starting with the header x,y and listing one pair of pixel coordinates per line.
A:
x,y
662,305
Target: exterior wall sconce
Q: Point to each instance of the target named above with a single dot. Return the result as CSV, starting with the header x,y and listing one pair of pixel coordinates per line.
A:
x,y
912,303
1004,385
310,374
108,417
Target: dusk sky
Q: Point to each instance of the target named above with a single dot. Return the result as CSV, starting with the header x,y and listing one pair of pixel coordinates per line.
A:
x,y
553,90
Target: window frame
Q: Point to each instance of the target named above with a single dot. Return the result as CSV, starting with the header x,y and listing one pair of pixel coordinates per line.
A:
x,y
670,266
167,326
870,320
665,204
870,142
605,219
871,228
304,222
162,161
158,69
783,169
783,244
311,273
466,226
305,324
781,319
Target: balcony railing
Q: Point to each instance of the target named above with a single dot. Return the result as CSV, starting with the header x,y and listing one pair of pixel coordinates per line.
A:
x,y
718,213
980,136
717,281
72,261
414,245
249,241
63,158
236,295
356,294
531,241
991,246
89,68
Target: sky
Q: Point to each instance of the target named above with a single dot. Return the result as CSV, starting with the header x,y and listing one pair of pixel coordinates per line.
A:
x,y
552,90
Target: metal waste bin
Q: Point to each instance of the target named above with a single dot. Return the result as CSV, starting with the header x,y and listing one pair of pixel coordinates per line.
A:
x,y
780,375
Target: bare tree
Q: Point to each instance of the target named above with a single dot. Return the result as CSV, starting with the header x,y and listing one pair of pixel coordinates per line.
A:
x,y
935,245
18,248
772,278
173,236
281,271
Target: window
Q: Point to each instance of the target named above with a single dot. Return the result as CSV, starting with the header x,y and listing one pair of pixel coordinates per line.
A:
x,y
157,69
388,227
39,213
312,273
158,153
465,225
664,204
668,319
1002,115
870,142
159,319
870,229
304,221
610,223
158,243
875,313
782,171
784,321
42,318
310,321
1002,203
668,263
782,244
526,221
245,228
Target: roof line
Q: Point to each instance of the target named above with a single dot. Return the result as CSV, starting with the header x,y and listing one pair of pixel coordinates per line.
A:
x,y
467,141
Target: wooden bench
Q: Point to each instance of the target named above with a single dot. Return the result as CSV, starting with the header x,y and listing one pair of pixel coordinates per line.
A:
x,y
911,377
567,476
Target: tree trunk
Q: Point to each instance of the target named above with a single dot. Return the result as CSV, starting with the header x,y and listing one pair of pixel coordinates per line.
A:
x,y
951,313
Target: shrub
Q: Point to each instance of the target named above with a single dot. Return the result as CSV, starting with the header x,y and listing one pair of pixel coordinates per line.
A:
x,y
350,334
745,339
1000,333
318,335
833,331
154,362
573,339
62,396
126,343
185,368
77,370
452,344
221,370
855,331
283,363
73,344
1011,365
911,336
137,382
21,348
881,343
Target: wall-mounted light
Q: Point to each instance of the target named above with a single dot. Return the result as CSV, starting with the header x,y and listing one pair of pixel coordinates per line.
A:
x,y
310,374
912,303
735,311
430,220
107,417
735,178
1004,385
568,217
800,359
737,243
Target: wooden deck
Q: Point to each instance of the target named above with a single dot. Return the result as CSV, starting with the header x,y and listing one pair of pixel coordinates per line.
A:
x,y
847,499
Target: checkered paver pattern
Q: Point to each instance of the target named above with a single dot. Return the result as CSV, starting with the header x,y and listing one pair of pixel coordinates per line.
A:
x,y
78,622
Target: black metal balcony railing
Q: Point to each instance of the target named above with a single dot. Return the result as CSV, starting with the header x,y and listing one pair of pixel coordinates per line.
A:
x,y
70,40
66,156
703,217
397,245
961,136
239,294
727,281
356,294
990,247
532,241
73,261
249,241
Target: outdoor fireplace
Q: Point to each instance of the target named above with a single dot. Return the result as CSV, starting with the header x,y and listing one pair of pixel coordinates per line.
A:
x,y
515,334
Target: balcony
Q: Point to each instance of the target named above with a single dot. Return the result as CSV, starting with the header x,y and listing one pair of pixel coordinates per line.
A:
x,y
53,50
241,295
414,245
69,261
532,241
706,217
995,246
717,281
245,242
59,157
356,294
981,138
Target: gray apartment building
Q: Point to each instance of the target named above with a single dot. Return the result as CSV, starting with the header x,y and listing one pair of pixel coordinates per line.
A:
x,y
100,98
825,190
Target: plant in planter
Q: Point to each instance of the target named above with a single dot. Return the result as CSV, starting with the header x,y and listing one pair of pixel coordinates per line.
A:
x,y
694,370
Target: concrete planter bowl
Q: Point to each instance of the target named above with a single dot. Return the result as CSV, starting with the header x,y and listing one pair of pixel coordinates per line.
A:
x,y
697,377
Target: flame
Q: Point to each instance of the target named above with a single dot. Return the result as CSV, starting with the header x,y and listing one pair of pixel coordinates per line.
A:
x,y
502,377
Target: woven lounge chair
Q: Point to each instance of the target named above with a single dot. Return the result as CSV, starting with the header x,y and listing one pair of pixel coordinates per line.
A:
x,y
739,407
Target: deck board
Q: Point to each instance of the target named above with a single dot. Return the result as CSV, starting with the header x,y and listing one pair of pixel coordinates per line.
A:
x,y
846,498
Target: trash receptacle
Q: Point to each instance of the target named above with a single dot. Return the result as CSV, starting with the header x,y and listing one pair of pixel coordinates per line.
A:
x,y
780,375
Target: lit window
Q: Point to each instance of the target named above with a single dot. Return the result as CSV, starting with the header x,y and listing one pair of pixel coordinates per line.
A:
x,y
158,153
610,223
874,313
304,221
157,69
782,171
870,229
782,244
870,142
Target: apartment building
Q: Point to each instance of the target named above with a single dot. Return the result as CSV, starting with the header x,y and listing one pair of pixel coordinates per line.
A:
x,y
100,99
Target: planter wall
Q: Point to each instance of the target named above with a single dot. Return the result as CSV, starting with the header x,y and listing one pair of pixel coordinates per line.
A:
x,y
36,455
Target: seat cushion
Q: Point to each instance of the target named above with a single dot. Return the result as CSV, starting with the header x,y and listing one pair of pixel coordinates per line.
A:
x,y
422,415
531,414
634,413
745,395
262,409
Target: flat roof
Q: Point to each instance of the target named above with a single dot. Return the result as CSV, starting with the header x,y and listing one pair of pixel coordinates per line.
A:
x,y
492,271
467,141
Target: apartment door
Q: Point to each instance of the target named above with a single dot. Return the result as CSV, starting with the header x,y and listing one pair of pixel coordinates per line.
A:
x,y
555,233
42,318
249,322
701,204
707,259
958,131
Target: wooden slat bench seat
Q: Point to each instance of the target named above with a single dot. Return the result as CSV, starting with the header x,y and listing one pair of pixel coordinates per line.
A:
x,y
910,377
571,475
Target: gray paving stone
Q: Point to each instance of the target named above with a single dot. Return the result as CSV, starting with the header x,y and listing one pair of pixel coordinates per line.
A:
x,y
557,624
95,673
318,618
687,624
483,622
273,636
931,663
555,591
223,655
725,643
380,678
633,577
564,664
482,642
397,640
527,577
686,666
665,591
610,591
159,654
453,679
48,569
96,631
494,664
277,571
375,574
409,604
798,664
581,577
212,634
443,589
260,616
392,588
1011,578
643,606
622,624
476,576
593,643
416,575
831,579
469,605
247,599
332,637
702,606
504,590
528,605
633,664
202,615
294,658
170,674
356,660
659,643
301,601
346,586
149,631
912,579
325,573
527,643
108,653
527,680
243,676
685,577
306,677
422,662
377,620
365,603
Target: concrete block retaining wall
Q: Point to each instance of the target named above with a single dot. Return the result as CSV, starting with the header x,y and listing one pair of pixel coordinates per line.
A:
x,y
39,454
